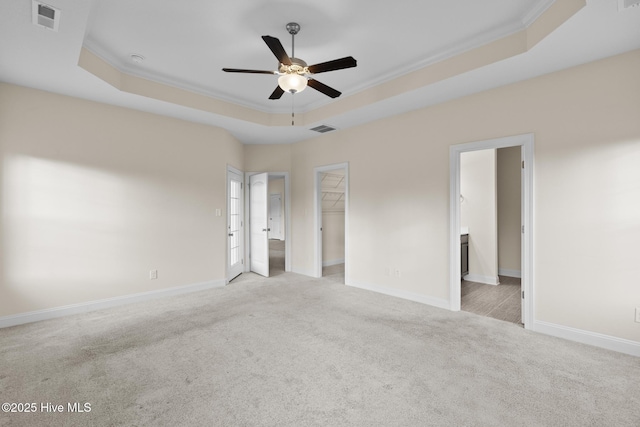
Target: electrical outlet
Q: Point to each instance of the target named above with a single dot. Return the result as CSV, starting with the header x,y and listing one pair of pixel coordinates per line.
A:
x,y
153,274
638,314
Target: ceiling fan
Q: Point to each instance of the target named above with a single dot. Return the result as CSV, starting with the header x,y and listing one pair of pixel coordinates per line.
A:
x,y
295,74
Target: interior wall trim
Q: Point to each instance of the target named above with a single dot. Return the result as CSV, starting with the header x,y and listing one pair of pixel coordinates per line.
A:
x,y
424,299
486,280
85,307
303,272
509,273
608,342
332,262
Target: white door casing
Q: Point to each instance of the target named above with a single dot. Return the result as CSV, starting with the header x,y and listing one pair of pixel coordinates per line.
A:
x,y
235,202
522,221
258,223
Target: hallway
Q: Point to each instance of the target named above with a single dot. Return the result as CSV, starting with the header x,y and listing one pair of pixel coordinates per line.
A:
x,y
500,302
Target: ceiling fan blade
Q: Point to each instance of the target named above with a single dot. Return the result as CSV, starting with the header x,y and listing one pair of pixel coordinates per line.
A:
x,y
336,64
277,49
321,87
240,70
277,93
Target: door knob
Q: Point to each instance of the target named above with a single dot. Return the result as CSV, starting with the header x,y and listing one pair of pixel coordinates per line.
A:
x,y
230,234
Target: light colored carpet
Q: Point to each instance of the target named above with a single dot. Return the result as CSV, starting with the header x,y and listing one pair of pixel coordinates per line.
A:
x,y
294,351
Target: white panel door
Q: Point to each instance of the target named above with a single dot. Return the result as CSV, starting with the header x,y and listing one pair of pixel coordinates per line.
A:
x,y
234,225
275,216
522,249
258,215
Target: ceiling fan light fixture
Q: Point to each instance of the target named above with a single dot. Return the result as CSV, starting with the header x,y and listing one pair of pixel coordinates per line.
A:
x,y
292,83
295,74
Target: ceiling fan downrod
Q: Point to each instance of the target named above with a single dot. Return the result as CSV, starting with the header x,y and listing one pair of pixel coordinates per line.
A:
x,y
293,28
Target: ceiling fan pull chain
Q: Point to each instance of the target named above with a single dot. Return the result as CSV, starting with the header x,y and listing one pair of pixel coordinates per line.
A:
x,y
292,110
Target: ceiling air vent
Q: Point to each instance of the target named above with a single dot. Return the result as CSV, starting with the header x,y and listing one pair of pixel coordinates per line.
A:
x,y
323,129
626,4
45,16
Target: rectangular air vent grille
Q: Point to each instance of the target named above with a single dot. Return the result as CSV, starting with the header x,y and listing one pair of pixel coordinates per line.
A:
x,y
323,129
45,16
626,4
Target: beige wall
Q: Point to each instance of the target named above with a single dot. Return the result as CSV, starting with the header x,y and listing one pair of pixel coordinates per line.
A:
x,y
479,212
587,201
95,196
509,215
267,158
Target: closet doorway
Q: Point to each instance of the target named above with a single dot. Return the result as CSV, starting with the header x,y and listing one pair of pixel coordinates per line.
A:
x,y
276,221
331,206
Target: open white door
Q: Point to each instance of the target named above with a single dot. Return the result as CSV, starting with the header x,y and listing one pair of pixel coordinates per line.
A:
x,y
234,224
522,246
258,211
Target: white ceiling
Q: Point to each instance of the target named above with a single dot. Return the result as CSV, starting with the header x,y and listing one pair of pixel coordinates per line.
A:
x,y
185,44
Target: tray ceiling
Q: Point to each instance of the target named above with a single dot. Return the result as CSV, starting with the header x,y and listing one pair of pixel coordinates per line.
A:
x,y
410,54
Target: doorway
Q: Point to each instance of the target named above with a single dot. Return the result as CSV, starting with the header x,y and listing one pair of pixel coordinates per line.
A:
x,y
490,218
277,237
331,219
268,251
525,142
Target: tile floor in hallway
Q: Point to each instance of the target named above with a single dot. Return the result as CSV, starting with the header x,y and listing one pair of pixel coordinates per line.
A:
x,y
500,302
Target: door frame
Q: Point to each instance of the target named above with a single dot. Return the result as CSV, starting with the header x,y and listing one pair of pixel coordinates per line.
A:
x,y
526,141
242,238
287,219
317,208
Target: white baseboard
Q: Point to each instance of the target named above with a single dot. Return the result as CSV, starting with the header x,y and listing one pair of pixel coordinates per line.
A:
x,y
436,302
309,273
620,345
53,313
487,280
509,273
332,262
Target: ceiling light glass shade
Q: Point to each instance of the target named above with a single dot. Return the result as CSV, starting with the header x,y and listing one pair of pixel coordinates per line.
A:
x,y
292,83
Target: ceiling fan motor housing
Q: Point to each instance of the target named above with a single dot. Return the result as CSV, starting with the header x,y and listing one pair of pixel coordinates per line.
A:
x,y
298,66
